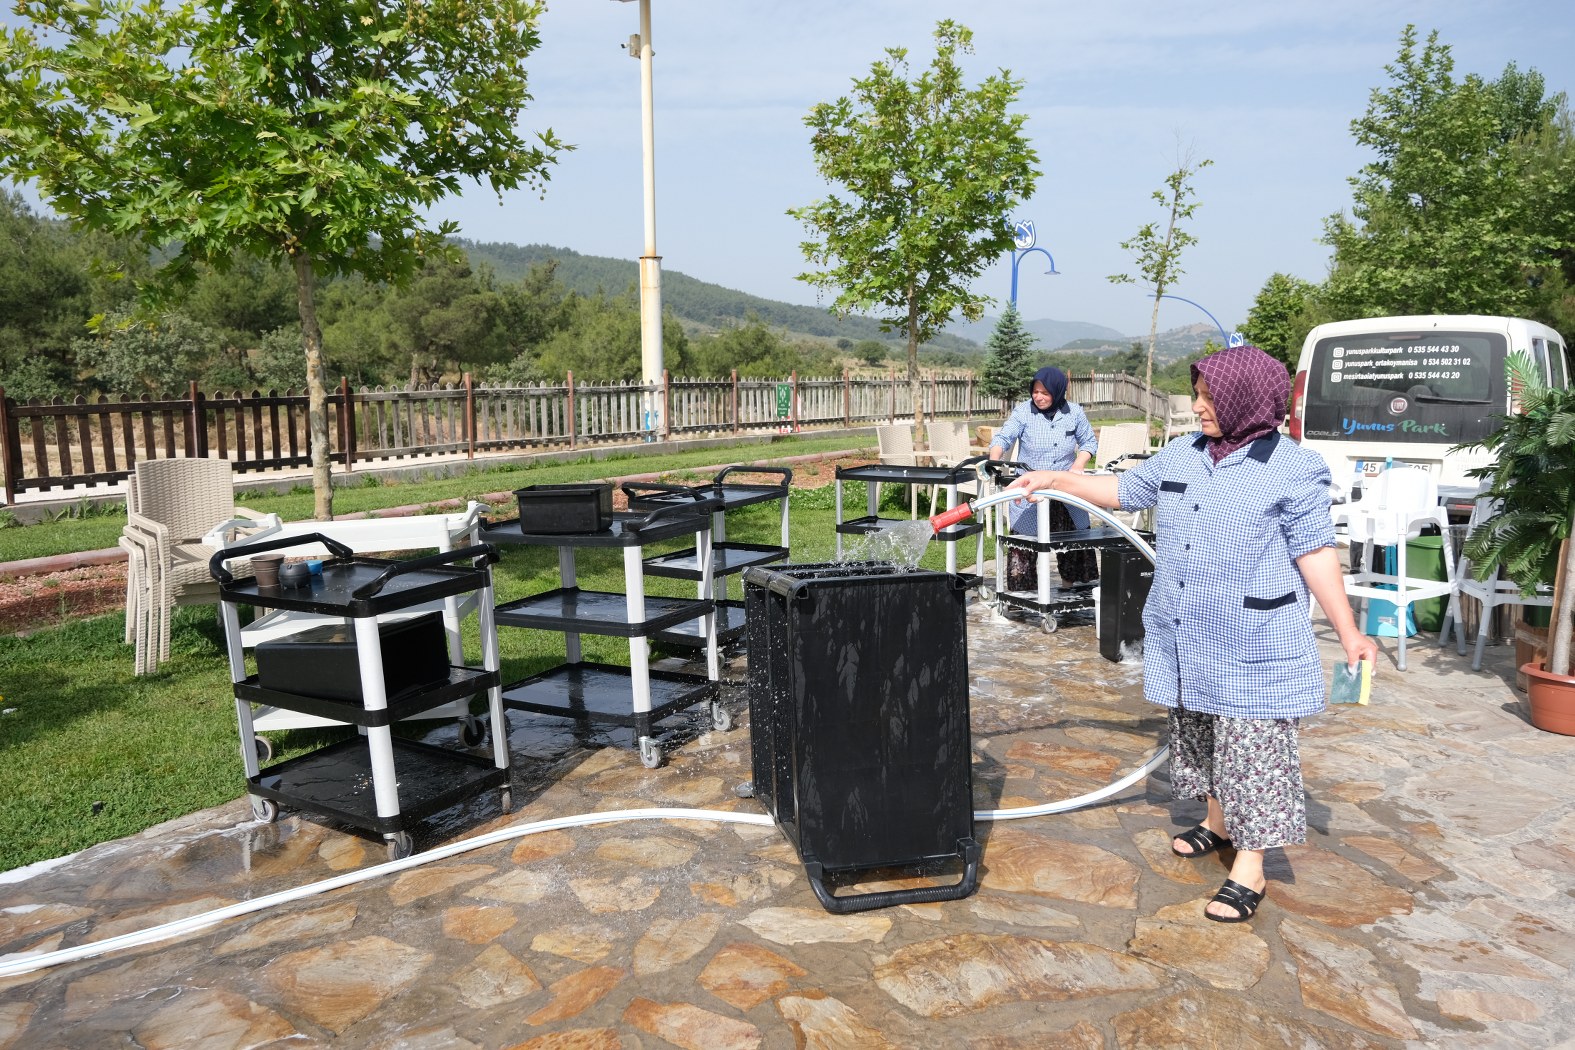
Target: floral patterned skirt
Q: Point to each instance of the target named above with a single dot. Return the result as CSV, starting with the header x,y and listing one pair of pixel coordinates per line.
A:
x,y
1251,765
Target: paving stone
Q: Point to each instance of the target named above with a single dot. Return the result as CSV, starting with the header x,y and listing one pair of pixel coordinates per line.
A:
x,y
339,984
689,1026
1505,923
1154,844
426,1037
494,977
968,972
543,845
806,926
477,924
425,882
1467,1004
213,1019
1481,803
32,920
1325,886
820,1022
575,1039
995,907
136,921
745,975
13,1023
1226,955
582,942
605,896
1019,861
572,995
672,941
645,853
1204,1018
1081,1036
1415,868
1098,766
1344,980
293,928
520,886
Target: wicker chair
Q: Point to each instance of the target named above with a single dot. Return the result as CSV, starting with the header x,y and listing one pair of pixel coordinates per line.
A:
x,y
896,447
170,505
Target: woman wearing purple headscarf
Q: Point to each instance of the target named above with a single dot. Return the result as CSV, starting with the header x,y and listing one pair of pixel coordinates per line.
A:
x,y
1051,433
1243,536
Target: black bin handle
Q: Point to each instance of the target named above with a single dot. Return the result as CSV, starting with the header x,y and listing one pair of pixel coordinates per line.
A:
x,y
481,553
224,577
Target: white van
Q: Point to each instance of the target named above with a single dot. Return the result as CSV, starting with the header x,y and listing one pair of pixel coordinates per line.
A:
x,y
1408,389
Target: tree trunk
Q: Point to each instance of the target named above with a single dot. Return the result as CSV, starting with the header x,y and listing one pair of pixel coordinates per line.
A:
x,y
317,395
1563,607
913,367
1148,375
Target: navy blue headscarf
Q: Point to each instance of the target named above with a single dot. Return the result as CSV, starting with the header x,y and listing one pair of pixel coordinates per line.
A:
x,y
1055,381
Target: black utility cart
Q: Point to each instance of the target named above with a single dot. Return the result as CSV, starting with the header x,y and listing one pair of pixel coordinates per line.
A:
x,y
1046,601
373,780
728,558
593,692
877,474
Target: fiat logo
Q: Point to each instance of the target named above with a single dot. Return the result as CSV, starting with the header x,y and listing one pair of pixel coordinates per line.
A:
x,y
1398,405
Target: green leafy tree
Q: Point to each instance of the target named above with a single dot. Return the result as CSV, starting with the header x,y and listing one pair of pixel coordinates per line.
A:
x,y
446,319
1277,322
134,354
1007,354
931,171
313,133
752,348
1159,258
1465,208
601,342
871,351
43,303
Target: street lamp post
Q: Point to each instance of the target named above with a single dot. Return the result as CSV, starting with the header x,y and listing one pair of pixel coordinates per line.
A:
x,y
1023,242
650,262
1232,339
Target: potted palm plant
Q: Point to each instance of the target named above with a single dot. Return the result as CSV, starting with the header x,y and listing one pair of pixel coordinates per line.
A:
x,y
1534,475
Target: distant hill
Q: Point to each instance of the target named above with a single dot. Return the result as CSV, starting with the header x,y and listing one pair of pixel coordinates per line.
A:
x,y
1084,338
1052,335
698,303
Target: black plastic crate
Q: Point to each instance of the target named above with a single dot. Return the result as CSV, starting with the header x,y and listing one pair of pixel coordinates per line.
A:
x,y
565,508
858,706
321,661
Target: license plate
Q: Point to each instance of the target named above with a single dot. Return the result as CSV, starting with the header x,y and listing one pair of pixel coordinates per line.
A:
x,y
1371,468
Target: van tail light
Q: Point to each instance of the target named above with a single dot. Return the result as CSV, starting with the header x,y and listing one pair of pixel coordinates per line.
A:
x,y
1298,392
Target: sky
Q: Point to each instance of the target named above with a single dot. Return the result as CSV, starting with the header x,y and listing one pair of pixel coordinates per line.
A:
x,y
1115,94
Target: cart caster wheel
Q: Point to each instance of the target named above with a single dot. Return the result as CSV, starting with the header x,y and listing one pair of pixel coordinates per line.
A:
x,y
472,731
721,718
650,753
1047,624
264,748
265,810
401,846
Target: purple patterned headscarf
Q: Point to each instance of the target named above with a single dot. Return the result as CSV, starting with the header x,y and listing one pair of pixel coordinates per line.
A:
x,y
1251,392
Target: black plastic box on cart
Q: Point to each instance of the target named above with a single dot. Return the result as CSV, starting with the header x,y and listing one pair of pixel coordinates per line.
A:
x,y
321,661
1124,581
858,706
565,508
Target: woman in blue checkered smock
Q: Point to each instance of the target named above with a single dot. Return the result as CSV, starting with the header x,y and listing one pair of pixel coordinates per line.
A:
x,y
1051,433
1242,537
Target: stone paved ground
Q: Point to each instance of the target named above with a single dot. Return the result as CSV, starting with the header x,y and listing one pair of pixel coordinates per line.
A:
x,y
1432,905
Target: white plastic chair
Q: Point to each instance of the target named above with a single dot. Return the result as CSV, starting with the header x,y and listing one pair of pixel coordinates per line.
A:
x,y
1118,442
895,441
949,446
1491,593
1181,419
1394,507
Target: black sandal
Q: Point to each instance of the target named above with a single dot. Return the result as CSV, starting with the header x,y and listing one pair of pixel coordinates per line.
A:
x,y
1201,839
1233,894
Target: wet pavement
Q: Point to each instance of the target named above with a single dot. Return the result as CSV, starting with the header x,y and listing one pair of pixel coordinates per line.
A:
x,y
1433,905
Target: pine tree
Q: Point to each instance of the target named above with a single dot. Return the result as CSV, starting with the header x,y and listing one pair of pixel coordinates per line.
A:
x,y
1005,373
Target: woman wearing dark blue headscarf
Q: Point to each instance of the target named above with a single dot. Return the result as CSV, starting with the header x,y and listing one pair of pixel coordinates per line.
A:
x,y
1051,433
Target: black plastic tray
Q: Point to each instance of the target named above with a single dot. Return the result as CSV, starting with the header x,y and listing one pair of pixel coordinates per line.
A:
x,y
729,628
1076,540
462,682
336,781
727,558
891,473
594,692
350,586
869,523
597,612
627,529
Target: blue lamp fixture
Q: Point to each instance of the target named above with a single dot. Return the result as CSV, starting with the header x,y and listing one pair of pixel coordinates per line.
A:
x,y
1231,339
1023,241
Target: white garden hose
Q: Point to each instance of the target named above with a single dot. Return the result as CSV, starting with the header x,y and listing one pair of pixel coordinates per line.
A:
x,y
24,963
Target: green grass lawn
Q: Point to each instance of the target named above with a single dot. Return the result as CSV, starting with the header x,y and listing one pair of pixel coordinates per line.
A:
x,y
91,752
99,529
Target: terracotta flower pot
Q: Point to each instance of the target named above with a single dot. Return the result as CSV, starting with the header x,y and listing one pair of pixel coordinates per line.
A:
x,y
1552,699
1531,647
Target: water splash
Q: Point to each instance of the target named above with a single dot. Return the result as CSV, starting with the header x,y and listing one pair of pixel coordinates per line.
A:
x,y
899,543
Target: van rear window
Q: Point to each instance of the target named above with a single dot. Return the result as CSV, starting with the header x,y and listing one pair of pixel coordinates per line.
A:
x,y
1443,387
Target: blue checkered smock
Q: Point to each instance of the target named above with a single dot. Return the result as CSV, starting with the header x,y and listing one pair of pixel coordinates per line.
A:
x,y
1045,444
1227,625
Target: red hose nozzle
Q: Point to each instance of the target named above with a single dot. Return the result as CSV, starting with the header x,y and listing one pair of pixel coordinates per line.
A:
x,y
951,517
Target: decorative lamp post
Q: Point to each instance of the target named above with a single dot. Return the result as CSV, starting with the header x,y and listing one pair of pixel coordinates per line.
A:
x,y
1023,240
1232,339
650,263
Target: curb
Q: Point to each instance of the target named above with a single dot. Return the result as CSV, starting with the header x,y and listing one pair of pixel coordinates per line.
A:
x,y
113,555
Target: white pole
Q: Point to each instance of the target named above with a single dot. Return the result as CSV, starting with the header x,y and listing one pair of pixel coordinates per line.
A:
x,y
650,262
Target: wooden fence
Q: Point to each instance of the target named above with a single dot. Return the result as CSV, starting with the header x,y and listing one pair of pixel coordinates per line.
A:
x,y
83,443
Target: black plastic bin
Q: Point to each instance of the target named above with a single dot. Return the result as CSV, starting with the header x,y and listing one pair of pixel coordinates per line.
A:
x,y
1125,575
565,508
858,706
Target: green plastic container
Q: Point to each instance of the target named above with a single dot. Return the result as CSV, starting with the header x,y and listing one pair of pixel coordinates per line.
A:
x,y
1424,560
